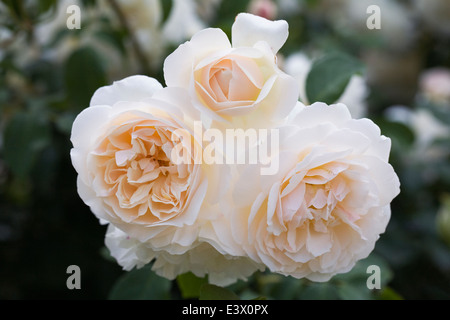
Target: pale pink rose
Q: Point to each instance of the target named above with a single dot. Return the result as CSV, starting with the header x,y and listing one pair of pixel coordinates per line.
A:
x,y
263,8
435,84
236,81
127,172
328,204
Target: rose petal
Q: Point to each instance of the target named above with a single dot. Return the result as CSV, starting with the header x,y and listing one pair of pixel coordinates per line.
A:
x,y
179,65
135,88
248,29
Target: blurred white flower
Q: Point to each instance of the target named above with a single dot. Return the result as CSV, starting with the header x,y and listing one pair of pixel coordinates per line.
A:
x,y
298,65
183,22
142,14
289,7
263,8
426,127
207,9
355,97
144,19
435,85
397,26
48,30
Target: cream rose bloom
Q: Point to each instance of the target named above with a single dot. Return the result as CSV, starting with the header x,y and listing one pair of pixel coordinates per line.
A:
x,y
127,172
328,204
238,82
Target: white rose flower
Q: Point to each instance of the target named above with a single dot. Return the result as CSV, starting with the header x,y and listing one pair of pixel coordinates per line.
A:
x,y
427,128
325,208
239,81
128,174
434,84
183,22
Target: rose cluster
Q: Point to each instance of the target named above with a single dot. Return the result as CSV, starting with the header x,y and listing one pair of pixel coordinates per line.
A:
x,y
317,215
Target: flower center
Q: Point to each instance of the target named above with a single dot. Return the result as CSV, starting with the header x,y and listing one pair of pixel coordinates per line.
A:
x,y
138,175
232,81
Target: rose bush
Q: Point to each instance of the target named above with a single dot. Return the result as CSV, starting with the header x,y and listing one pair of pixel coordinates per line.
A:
x,y
238,82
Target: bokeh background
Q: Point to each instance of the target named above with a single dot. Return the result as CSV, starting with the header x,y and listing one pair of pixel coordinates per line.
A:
x,y
48,73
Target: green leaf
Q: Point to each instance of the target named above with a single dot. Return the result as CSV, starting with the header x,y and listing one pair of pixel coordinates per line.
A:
x,y
279,286
189,285
111,38
212,292
401,135
140,284
84,73
26,134
389,294
354,291
319,291
329,76
359,275
353,285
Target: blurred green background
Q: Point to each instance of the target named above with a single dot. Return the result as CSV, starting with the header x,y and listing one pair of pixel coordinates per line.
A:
x,y
49,71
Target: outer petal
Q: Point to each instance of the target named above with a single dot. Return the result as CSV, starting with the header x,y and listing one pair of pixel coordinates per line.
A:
x,y
248,29
319,112
134,88
85,131
178,66
284,96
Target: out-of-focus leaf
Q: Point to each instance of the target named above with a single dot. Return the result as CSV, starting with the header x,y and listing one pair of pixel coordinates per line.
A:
x,y
443,219
280,287
400,134
141,284
84,73
106,254
14,8
89,3
353,285
228,11
319,291
166,9
111,38
389,294
440,111
26,134
353,291
189,285
359,272
65,121
212,292
329,76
